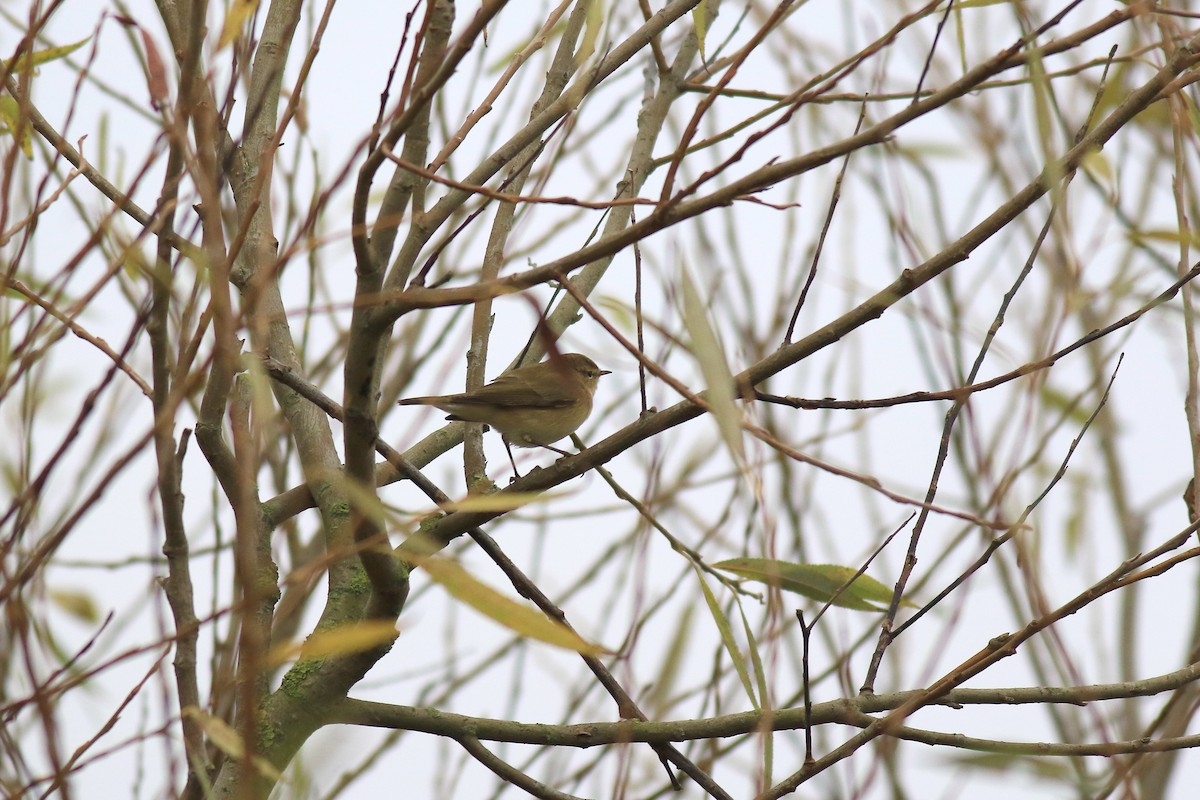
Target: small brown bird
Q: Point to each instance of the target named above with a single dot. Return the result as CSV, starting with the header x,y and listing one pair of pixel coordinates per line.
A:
x,y
532,406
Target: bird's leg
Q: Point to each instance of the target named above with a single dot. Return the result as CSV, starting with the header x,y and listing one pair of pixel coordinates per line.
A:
x,y
511,460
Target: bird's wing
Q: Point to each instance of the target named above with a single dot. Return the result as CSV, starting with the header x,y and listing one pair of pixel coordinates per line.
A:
x,y
515,390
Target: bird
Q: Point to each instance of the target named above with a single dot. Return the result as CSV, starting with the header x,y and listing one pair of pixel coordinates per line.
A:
x,y
531,406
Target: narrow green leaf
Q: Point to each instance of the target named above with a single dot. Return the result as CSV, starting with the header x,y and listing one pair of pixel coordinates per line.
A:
x,y
39,57
662,687
726,631
980,4
961,37
707,349
1005,765
1043,104
760,677
817,581
1058,401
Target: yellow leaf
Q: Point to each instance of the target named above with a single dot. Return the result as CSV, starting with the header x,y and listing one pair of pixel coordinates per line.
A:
x,y
593,24
77,603
341,641
921,149
1172,237
10,120
229,741
239,14
366,502
1192,112
517,617
700,20
135,264
1099,167
620,313
498,501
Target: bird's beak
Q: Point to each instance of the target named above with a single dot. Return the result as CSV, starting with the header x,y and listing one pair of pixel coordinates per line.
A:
x,y
606,372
